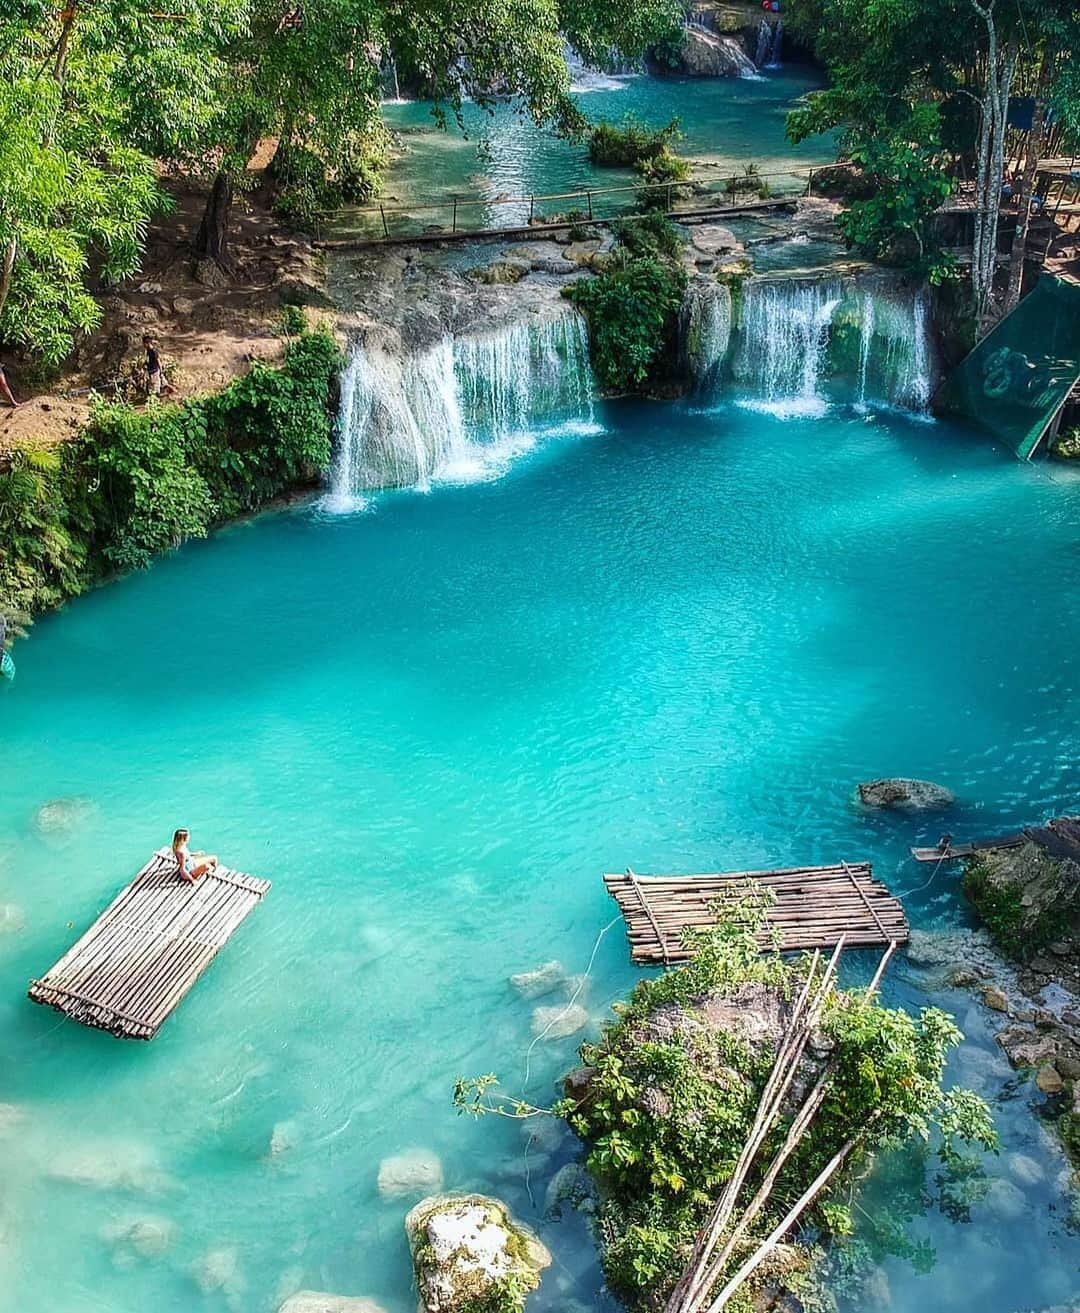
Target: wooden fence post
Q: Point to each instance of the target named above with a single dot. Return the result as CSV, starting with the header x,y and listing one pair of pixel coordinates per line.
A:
x,y
810,183
532,207
590,205
453,222
385,225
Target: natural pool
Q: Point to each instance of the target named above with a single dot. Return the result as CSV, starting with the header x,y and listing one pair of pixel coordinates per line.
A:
x,y
727,123
675,643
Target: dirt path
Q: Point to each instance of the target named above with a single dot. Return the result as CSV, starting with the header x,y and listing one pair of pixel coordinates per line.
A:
x,y
208,328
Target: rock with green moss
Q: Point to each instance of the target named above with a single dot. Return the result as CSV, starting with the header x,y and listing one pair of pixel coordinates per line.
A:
x,y
1028,896
471,1256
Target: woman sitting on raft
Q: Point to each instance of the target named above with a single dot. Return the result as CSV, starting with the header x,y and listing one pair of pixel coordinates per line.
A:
x,y
190,866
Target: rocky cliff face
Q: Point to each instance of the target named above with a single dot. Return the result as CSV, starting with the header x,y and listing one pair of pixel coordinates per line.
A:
x,y
710,54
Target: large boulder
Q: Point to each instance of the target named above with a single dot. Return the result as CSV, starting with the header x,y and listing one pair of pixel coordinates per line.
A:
x,y
908,795
710,55
469,1252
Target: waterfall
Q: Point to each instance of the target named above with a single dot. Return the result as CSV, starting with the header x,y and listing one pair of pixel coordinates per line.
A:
x,y
584,77
894,351
770,43
707,334
783,336
459,410
391,86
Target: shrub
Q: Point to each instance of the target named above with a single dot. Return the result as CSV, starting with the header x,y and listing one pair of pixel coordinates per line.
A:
x,y
633,305
631,142
136,482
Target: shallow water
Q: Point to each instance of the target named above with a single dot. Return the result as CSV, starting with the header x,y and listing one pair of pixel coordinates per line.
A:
x,y
726,123
676,644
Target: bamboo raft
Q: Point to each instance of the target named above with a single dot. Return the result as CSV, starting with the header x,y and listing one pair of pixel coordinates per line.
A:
x,y
814,907
145,951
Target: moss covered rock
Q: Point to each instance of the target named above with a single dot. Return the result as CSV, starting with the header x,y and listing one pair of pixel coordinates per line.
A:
x,y
1027,896
471,1256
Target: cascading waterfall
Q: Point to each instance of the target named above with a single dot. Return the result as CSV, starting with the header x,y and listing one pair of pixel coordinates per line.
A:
x,y
770,43
784,333
872,344
584,77
894,352
459,409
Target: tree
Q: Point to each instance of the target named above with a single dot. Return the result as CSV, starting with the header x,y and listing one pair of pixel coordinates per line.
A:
x,y
892,62
87,96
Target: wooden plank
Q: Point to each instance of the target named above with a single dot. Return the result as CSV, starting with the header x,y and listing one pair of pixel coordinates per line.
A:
x,y
133,965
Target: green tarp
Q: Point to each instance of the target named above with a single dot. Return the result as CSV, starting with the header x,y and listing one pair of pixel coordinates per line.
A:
x,y
1018,377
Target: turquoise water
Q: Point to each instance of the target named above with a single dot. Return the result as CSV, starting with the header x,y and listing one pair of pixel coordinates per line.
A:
x,y
727,123
676,644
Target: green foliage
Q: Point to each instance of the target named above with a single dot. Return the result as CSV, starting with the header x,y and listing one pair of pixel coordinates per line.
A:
x,y
670,1105
87,94
39,559
633,305
1010,922
138,482
631,143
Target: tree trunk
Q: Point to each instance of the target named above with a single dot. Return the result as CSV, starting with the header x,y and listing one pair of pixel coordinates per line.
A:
x,y
1000,70
1035,143
7,266
212,239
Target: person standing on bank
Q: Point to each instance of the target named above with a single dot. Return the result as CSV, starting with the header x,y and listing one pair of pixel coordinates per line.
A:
x,y
156,383
5,391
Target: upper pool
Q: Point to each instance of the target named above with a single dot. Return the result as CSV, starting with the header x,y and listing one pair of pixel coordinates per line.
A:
x,y
727,123
676,643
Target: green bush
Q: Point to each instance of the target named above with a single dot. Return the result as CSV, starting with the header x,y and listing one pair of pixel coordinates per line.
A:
x,y
633,306
631,142
136,482
664,166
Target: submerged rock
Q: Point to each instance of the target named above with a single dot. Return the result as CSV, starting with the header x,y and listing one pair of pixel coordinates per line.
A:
x,y
61,816
501,271
219,1269
284,1137
414,1172
571,1187
544,980
468,1251
112,1166
11,919
317,1301
135,1238
558,1022
907,795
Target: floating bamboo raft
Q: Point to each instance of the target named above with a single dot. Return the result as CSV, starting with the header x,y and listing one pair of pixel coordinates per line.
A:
x,y
814,906
146,950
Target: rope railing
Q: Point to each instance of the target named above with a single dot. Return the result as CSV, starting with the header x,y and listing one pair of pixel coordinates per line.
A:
x,y
383,222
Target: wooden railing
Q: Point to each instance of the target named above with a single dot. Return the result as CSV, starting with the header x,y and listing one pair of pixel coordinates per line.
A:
x,y
476,214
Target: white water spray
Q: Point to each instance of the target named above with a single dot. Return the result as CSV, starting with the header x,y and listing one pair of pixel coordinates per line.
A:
x,y
785,330
459,410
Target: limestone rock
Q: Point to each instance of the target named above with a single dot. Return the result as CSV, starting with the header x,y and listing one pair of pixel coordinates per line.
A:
x,y
1006,1200
218,1269
995,999
414,1172
571,1187
544,980
1025,1169
138,1238
111,1165
708,54
558,1022
905,794
62,816
317,1301
284,1137
1030,896
183,305
501,271
1048,1079
1025,1048
465,1247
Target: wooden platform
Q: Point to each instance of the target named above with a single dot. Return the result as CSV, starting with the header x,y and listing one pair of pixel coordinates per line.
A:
x,y
146,950
814,906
